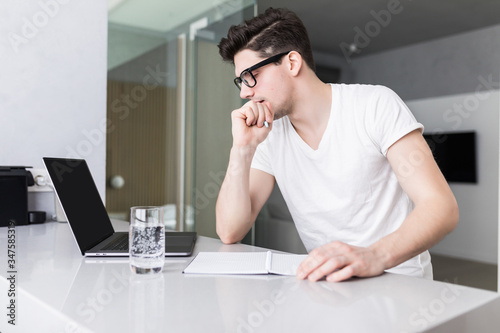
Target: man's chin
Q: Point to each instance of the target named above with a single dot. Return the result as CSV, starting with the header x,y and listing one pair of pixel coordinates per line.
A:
x,y
279,115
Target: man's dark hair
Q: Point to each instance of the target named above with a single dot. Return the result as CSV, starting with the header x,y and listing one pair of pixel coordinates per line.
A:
x,y
274,31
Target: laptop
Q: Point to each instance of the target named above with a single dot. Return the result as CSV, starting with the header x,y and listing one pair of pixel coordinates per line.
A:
x,y
87,217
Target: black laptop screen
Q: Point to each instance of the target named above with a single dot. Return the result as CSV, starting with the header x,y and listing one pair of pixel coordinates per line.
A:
x,y
80,200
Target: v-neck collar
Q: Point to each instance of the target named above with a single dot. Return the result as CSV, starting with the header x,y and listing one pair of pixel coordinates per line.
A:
x,y
304,146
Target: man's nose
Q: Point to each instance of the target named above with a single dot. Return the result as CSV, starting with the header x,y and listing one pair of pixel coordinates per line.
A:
x,y
246,92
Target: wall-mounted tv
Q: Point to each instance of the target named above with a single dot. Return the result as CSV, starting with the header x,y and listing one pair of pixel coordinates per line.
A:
x,y
455,154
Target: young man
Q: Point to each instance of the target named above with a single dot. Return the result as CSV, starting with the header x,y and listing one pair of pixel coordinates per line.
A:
x,y
350,160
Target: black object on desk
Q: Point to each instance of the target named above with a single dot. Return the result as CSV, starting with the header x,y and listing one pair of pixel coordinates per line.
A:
x,y
14,182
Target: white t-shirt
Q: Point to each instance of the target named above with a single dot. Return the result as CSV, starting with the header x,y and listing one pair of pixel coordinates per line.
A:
x,y
345,190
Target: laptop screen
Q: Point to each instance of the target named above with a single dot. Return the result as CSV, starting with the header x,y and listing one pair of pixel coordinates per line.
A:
x,y
80,201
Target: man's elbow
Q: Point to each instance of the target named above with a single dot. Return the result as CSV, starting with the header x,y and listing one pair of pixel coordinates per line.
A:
x,y
225,235
453,215
228,241
227,238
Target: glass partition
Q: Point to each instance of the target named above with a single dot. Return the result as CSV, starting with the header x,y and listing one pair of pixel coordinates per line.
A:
x,y
166,105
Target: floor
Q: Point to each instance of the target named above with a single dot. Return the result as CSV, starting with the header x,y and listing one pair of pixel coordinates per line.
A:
x,y
464,272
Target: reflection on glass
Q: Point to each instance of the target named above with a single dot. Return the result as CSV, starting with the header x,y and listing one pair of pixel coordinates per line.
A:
x,y
147,303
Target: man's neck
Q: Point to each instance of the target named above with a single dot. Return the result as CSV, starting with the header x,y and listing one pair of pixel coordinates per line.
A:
x,y
311,110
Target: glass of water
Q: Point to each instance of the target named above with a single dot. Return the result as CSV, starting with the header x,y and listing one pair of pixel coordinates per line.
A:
x,y
146,240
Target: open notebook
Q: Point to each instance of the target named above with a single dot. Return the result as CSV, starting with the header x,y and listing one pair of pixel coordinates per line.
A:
x,y
245,263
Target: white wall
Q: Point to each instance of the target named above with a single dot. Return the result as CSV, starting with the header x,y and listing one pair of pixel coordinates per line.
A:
x,y
53,82
477,232
439,67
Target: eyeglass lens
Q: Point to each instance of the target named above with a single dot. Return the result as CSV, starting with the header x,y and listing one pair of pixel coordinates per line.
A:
x,y
248,79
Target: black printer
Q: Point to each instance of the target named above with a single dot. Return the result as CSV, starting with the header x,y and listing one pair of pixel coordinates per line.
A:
x,y
14,182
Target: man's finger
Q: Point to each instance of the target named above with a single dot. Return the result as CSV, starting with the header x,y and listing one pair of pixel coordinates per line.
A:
x,y
342,274
327,268
262,114
250,114
307,266
269,115
314,260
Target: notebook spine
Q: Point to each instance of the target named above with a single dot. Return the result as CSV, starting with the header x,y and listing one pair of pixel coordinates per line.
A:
x,y
269,258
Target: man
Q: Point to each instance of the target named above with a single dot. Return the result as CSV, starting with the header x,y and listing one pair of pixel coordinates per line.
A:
x,y
358,178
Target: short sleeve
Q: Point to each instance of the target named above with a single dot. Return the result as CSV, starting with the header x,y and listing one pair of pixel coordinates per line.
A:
x,y
261,160
388,118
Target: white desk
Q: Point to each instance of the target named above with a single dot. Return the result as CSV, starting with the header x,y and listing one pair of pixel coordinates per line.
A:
x,y
59,291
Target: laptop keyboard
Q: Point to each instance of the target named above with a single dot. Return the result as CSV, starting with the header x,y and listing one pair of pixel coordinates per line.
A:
x,y
120,243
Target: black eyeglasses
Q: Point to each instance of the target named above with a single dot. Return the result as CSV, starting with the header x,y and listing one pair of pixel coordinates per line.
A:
x,y
247,77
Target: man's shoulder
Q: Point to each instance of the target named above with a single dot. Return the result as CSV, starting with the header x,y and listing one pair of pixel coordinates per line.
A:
x,y
365,96
364,89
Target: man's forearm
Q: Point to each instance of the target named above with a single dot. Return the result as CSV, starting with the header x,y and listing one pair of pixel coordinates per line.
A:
x,y
428,223
436,210
233,208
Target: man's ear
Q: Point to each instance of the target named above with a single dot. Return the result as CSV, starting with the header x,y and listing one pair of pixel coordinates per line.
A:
x,y
295,62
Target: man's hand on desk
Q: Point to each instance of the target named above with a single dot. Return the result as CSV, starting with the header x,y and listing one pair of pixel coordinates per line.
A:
x,y
339,261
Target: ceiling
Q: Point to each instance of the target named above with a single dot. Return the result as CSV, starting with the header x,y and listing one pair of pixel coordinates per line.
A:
x,y
332,23
156,15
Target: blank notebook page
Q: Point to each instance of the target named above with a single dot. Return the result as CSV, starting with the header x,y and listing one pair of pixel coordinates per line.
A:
x,y
228,263
286,264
